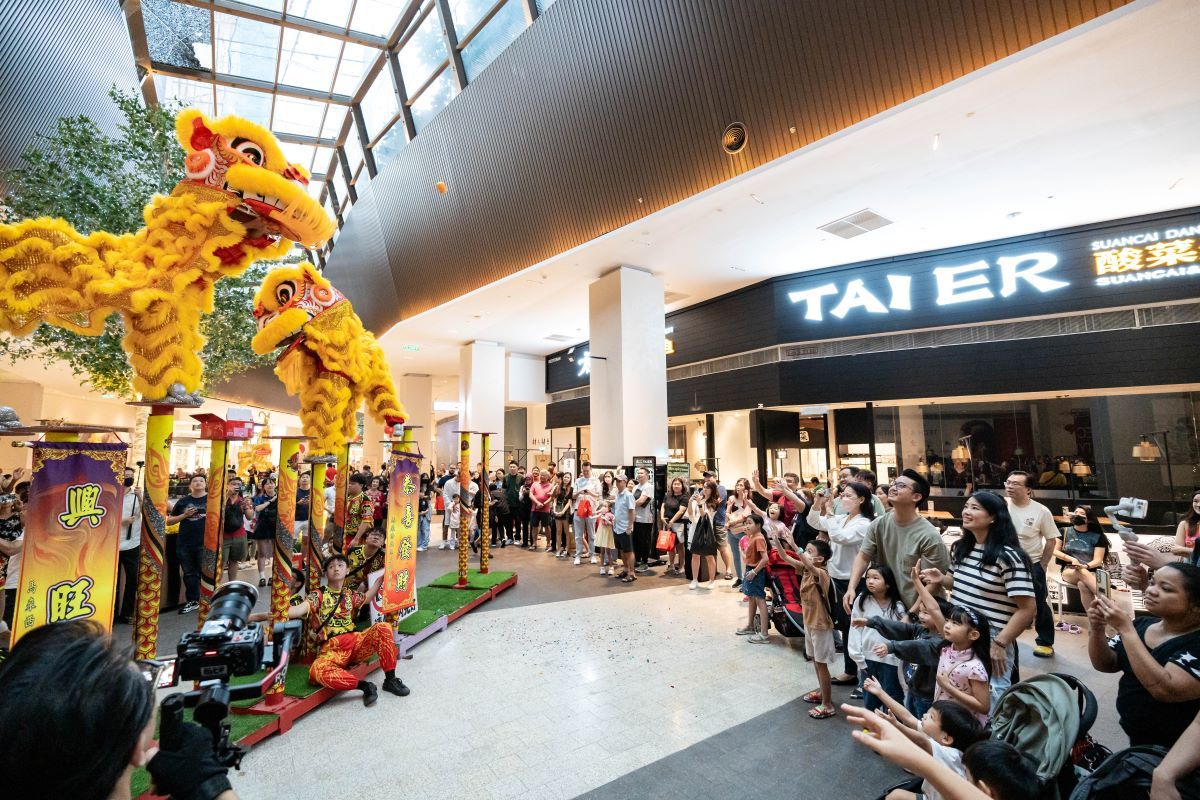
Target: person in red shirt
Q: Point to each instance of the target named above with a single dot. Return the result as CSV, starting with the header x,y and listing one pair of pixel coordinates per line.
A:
x,y
540,519
787,507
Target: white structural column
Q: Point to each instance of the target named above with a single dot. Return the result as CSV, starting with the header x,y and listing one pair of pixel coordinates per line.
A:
x,y
628,362
481,390
416,393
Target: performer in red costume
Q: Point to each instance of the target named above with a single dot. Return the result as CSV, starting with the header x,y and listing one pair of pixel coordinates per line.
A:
x,y
330,612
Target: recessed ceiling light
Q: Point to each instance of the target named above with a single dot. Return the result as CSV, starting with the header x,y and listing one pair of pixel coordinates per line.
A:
x,y
937,141
738,269
1178,181
757,199
1013,214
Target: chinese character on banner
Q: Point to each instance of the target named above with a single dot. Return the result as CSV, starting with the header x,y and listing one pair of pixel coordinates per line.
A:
x,y
398,592
1172,253
81,505
71,534
69,600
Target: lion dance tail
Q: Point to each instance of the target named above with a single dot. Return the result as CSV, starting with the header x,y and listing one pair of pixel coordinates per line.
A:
x,y
49,272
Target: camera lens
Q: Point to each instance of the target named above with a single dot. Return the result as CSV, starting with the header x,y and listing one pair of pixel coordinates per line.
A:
x,y
233,602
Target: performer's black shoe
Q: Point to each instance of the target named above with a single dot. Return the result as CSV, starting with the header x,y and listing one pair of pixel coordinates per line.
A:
x,y
395,686
370,692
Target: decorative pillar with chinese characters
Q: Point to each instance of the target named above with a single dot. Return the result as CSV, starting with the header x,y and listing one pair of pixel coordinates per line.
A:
x,y
72,534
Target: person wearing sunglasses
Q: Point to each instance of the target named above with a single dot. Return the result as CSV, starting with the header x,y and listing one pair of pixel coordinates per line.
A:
x,y
86,714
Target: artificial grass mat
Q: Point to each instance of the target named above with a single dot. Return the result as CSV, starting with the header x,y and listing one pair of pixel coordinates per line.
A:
x,y
474,579
240,726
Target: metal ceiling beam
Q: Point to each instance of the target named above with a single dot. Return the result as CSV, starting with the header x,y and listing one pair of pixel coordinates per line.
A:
x,y
451,38
237,82
294,23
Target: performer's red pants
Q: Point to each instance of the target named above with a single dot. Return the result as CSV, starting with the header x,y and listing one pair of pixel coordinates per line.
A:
x,y
329,669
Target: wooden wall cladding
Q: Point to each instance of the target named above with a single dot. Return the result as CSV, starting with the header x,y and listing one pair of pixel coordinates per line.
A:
x,y
603,102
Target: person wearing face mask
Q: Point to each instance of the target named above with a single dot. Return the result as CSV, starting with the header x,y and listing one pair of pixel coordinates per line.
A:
x,y
131,549
1082,549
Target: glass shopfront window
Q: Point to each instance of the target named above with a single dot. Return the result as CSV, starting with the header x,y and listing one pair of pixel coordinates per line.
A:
x,y
1075,447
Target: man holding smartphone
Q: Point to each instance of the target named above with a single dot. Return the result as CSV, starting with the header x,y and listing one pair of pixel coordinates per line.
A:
x,y
188,513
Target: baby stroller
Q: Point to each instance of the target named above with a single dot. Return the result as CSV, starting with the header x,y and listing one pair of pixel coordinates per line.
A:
x,y
1048,717
783,598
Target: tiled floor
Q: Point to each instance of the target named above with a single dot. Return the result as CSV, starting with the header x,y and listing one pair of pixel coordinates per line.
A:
x,y
571,684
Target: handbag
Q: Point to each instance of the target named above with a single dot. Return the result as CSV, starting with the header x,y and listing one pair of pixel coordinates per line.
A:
x,y
666,540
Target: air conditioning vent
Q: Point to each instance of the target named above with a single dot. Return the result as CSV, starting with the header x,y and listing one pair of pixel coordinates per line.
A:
x,y
855,224
558,337
674,297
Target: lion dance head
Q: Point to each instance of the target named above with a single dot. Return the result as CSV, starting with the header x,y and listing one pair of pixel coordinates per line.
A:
x,y
244,160
329,359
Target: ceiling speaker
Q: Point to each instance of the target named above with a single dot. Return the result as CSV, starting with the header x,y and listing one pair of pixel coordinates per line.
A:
x,y
734,138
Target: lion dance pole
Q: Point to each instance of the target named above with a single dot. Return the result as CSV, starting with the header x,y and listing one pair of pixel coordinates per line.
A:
x,y
150,564
464,520
214,535
485,522
285,533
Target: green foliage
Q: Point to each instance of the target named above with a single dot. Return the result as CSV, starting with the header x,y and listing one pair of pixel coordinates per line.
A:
x,y
101,182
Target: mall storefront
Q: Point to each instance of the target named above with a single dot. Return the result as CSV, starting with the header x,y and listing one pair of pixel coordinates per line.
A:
x,y
1054,353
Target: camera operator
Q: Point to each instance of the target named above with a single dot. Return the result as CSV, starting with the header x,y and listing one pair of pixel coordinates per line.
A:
x,y
86,714
330,612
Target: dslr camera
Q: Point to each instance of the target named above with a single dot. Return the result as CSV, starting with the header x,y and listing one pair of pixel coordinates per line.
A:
x,y
227,645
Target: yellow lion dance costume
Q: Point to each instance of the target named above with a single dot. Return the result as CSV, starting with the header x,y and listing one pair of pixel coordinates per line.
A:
x,y
241,201
331,361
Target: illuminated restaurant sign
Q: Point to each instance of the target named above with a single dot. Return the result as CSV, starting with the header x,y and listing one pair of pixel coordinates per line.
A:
x,y
1141,261
1147,256
972,282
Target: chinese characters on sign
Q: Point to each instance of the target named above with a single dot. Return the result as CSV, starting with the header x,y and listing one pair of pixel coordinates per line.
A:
x,y
69,569
1148,256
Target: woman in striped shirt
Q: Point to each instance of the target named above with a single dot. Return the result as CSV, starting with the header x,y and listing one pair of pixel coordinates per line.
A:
x,y
991,575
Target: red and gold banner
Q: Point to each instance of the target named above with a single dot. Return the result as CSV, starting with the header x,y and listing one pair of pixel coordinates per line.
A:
x,y
72,533
399,591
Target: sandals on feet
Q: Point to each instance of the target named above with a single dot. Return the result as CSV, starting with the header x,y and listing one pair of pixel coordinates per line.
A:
x,y
628,579
812,697
822,712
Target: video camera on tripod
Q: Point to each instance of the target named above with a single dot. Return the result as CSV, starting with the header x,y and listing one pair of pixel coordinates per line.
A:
x,y
227,645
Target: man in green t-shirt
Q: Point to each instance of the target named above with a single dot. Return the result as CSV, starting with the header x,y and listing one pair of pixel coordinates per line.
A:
x,y
901,539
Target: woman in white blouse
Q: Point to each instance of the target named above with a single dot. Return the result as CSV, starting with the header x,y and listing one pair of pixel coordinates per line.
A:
x,y
846,533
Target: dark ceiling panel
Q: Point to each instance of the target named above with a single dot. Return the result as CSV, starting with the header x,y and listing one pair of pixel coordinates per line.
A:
x,y
603,102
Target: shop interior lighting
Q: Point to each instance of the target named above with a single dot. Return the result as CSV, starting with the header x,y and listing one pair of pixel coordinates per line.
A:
x,y
1146,450
922,467
1064,467
1081,469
